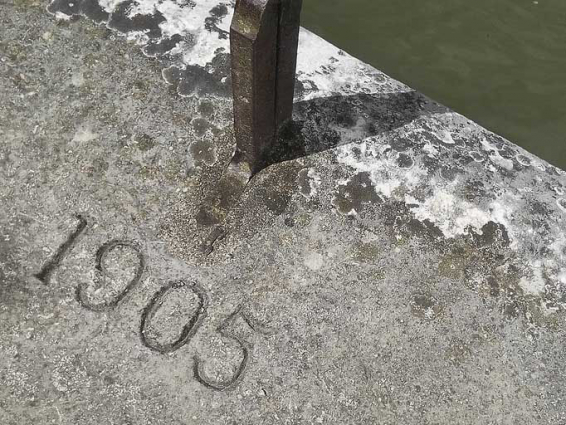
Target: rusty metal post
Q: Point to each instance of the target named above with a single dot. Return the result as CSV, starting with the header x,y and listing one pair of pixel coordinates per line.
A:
x,y
264,40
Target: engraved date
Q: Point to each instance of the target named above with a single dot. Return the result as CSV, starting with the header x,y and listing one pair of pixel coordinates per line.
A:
x,y
194,318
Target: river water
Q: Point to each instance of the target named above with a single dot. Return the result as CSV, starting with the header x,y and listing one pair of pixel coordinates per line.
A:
x,y
502,63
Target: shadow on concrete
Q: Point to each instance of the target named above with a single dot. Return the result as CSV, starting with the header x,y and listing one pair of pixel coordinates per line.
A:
x,y
325,123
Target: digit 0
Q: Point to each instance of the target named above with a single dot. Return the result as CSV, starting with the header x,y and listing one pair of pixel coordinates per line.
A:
x,y
190,327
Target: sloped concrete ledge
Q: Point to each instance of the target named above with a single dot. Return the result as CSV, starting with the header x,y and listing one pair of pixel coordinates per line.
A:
x,y
396,264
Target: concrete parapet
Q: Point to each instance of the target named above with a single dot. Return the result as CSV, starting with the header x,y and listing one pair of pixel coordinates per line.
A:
x,y
395,263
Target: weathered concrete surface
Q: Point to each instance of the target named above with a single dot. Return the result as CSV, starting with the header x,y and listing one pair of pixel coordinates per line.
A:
x,y
404,267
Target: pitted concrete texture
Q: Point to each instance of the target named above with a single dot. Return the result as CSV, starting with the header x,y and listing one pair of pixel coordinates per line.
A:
x,y
396,264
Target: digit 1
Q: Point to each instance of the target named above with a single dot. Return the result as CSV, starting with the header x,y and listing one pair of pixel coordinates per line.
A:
x,y
49,267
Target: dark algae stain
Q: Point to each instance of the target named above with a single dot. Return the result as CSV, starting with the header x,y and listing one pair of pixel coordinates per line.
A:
x,y
278,189
203,153
92,9
89,8
206,109
214,78
149,24
425,307
163,46
201,126
491,234
494,289
144,142
67,7
405,161
217,13
356,193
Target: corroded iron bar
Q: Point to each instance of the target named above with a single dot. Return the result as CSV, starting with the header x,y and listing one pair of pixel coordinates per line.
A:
x,y
288,44
264,40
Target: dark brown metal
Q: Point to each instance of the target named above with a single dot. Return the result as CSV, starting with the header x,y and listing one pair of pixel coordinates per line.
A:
x,y
287,47
264,40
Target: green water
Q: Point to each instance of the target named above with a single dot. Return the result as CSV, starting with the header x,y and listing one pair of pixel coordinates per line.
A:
x,y
502,63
